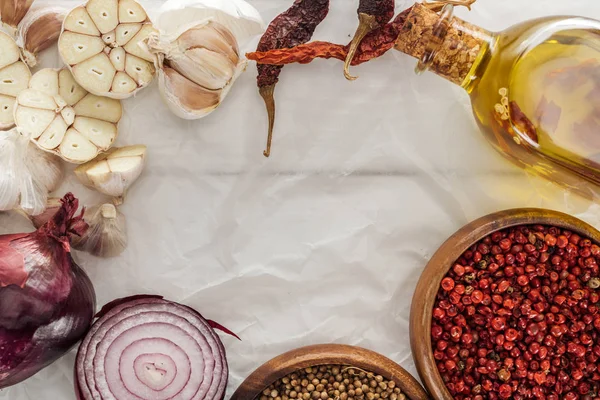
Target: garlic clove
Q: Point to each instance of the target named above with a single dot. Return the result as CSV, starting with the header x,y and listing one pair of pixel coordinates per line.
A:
x,y
77,48
14,78
126,32
54,134
109,38
79,21
137,45
98,73
131,11
211,36
114,173
13,11
107,232
39,30
69,90
117,58
123,83
139,70
101,108
76,148
104,13
204,67
33,121
10,51
45,81
68,114
7,105
185,98
100,133
36,99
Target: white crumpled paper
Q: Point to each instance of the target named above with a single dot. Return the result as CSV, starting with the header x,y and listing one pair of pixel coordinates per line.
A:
x,y
324,241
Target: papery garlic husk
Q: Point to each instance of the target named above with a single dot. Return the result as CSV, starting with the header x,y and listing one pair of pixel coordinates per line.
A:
x,y
39,30
114,172
64,119
27,174
240,17
14,77
104,45
197,69
107,232
12,12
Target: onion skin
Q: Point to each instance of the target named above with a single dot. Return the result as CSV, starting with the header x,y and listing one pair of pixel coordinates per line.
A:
x,y
145,347
46,301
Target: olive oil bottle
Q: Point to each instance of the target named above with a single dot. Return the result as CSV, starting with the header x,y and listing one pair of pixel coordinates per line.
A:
x,y
534,88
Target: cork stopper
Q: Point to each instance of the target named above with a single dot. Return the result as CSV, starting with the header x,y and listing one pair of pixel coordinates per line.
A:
x,y
445,45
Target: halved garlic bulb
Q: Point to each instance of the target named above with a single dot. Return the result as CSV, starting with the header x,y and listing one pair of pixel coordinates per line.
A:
x,y
14,77
107,232
197,68
62,118
112,173
104,45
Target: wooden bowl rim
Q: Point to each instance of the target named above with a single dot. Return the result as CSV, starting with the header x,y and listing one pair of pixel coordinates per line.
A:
x,y
328,354
444,258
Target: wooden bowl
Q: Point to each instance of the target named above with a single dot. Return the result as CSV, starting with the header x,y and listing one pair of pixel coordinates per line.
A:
x,y
328,354
444,258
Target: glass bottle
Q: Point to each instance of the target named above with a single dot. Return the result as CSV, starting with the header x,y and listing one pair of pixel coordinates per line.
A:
x,y
534,88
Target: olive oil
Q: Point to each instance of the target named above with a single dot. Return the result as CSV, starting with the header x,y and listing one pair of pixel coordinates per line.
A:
x,y
534,88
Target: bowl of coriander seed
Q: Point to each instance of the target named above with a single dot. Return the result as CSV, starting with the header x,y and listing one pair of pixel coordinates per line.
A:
x,y
330,372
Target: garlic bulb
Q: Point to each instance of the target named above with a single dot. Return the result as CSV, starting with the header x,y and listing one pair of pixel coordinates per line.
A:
x,y
39,30
112,173
62,118
14,77
104,45
107,232
197,69
27,174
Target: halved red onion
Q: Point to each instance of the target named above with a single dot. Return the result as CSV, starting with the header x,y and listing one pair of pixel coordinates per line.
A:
x,y
148,348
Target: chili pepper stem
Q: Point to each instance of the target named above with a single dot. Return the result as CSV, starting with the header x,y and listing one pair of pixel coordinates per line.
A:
x,y
439,4
366,24
267,93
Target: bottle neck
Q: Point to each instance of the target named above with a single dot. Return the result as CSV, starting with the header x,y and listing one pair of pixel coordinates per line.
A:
x,y
443,44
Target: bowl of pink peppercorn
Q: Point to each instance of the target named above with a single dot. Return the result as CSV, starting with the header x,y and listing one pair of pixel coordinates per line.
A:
x,y
509,308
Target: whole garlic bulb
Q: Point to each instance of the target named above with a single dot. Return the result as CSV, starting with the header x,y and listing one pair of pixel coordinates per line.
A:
x,y
114,172
197,68
104,45
14,77
63,118
107,232
27,174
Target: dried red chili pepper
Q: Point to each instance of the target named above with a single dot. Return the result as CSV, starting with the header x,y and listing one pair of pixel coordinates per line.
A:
x,y
291,28
372,14
522,121
374,45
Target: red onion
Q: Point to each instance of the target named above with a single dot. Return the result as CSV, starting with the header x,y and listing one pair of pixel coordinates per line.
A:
x,y
46,301
144,347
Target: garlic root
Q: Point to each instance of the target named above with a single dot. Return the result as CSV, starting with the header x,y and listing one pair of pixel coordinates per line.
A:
x,y
62,118
114,172
104,45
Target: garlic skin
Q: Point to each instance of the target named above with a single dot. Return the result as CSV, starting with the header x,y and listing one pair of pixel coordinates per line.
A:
x,y
27,174
197,69
12,12
14,77
107,232
64,119
38,31
103,43
114,172
240,17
